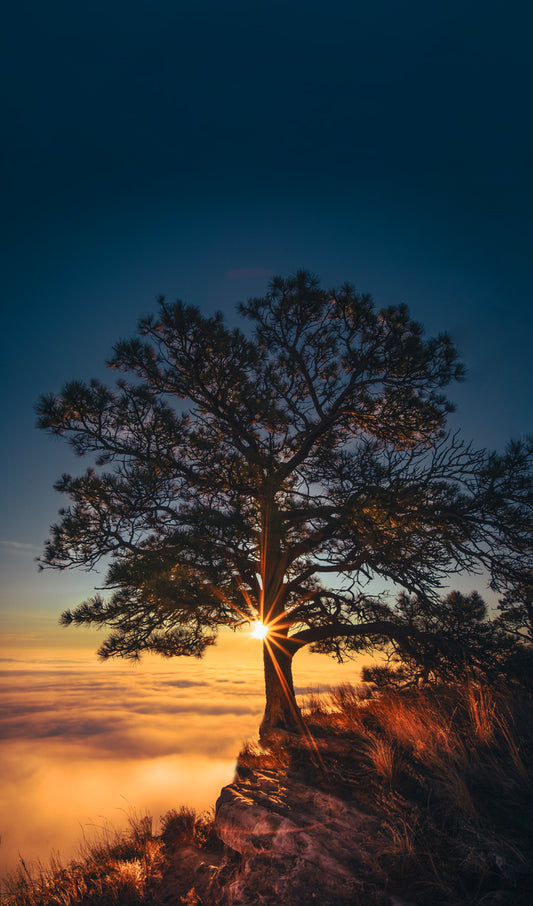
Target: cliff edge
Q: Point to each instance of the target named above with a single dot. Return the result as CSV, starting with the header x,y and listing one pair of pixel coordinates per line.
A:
x,y
396,800
291,833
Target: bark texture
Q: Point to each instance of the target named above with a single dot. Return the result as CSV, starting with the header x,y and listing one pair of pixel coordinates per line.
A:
x,y
281,711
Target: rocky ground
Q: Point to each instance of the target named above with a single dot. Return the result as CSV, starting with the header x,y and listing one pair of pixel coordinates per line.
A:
x,y
278,837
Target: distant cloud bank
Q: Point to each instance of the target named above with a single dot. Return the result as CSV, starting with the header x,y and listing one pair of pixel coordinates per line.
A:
x,y
83,742
83,745
115,710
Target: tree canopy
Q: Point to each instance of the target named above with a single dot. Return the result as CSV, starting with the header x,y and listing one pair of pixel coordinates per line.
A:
x,y
271,473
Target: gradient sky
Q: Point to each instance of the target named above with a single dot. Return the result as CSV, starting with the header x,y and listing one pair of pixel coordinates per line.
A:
x,y
196,148
193,149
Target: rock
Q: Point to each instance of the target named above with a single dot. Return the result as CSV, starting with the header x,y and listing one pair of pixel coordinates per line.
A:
x,y
297,843
288,837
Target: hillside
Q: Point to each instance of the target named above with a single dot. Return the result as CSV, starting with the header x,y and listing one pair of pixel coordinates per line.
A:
x,y
404,799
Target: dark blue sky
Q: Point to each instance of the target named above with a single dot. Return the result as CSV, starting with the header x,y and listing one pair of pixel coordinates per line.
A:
x,y
193,148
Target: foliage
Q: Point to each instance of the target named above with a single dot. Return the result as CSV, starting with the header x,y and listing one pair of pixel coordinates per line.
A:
x,y
184,826
114,869
445,772
453,640
270,475
447,776
516,606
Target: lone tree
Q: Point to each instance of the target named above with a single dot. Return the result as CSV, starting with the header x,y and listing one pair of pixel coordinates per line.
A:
x,y
269,475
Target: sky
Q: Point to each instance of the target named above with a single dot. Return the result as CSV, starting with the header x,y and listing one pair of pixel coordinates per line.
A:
x,y
195,149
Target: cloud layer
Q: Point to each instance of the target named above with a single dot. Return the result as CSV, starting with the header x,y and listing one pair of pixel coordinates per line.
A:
x,y
83,742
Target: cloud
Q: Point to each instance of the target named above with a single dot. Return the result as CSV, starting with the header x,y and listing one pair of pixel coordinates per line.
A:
x,y
122,710
80,745
248,273
57,795
83,741
18,547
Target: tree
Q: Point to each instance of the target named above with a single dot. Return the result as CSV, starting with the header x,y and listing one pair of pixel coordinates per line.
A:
x,y
516,606
512,576
454,642
270,475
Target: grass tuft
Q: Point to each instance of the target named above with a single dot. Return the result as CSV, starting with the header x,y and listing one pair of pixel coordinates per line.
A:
x,y
114,868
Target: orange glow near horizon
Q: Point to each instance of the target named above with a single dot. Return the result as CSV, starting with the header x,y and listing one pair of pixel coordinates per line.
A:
x,y
82,742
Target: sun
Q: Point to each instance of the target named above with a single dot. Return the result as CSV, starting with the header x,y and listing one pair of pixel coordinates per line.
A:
x,y
259,630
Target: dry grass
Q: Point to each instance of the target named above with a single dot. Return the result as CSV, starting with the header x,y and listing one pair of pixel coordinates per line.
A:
x,y
115,868
448,773
255,757
385,759
185,827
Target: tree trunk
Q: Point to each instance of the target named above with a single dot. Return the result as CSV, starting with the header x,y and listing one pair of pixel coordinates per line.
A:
x,y
281,711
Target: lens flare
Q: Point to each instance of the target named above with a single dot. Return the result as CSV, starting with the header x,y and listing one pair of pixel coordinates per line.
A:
x,y
259,630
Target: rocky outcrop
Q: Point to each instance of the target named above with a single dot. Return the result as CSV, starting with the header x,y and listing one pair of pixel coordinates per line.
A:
x,y
283,836
297,844
381,801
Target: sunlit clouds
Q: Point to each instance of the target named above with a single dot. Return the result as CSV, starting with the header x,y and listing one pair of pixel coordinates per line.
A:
x,y
84,742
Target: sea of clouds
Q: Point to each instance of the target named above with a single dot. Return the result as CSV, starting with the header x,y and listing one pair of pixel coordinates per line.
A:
x,y
84,743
